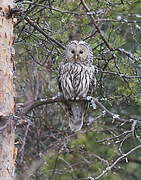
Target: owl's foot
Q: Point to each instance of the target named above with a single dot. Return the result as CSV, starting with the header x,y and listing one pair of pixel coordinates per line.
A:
x,y
91,99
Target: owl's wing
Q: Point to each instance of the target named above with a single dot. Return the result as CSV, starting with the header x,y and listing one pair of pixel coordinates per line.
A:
x,y
59,76
58,80
92,86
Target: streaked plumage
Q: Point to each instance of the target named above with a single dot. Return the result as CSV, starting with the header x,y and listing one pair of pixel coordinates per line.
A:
x,y
77,80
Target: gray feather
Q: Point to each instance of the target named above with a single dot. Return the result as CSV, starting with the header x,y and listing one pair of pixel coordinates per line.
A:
x,y
76,115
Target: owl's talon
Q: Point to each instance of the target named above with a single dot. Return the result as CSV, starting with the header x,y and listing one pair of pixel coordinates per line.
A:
x,y
89,98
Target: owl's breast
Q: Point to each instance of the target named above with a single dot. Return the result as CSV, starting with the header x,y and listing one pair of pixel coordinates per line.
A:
x,y
75,80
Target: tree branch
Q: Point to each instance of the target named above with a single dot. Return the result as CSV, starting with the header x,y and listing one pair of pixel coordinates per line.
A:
x,y
35,104
136,59
92,100
32,23
117,160
121,75
96,26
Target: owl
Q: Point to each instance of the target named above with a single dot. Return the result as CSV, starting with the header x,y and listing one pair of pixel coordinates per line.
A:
x,y
77,80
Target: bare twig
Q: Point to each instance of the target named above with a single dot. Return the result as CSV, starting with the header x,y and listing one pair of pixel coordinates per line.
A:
x,y
32,23
128,54
109,168
24,141
116,137
121,75
103,38
96,26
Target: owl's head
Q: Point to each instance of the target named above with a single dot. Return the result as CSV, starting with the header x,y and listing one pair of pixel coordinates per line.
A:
x,y
78,51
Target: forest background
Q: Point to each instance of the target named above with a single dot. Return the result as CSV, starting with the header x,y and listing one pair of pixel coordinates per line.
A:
x,y
108,146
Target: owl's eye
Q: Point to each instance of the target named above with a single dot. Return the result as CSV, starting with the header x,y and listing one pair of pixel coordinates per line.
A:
x,y
72,51
80,52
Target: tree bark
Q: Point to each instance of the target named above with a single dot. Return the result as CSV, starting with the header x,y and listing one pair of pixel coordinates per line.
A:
x,y
7,92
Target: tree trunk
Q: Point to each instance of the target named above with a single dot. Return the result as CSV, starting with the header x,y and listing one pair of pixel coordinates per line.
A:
x,y
7,105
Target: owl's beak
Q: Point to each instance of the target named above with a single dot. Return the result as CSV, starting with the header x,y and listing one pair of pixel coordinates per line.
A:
x,y
76,57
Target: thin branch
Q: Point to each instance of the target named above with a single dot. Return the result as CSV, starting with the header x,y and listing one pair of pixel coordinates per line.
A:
x,y
103,38
122,2
121,21
115,137
128,54
96,26
121,75
32,23
24,142
109,168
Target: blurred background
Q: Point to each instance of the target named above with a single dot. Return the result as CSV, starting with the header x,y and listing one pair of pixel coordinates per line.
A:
x,y
47,149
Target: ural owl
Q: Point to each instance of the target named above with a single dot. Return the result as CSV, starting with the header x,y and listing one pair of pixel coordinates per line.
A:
x,y
77,80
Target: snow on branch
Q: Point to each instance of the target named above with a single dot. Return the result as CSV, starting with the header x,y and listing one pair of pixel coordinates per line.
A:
x,y
60,99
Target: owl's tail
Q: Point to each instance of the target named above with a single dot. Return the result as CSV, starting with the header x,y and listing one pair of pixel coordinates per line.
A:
x,y
76,115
